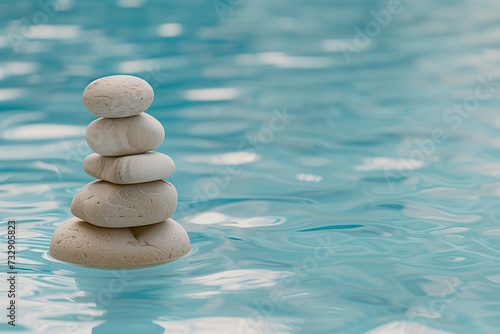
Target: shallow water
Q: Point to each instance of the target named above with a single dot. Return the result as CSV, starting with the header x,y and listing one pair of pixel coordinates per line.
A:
x,y
322,193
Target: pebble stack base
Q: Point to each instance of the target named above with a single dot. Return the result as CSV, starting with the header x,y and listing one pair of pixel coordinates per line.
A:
x,y
78,242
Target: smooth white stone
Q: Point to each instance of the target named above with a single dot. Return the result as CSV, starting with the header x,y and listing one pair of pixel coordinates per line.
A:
x,y
125,136
118,96
106,204
129,169
78,242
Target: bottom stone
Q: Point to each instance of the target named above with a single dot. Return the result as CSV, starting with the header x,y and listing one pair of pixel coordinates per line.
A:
x,y
78,242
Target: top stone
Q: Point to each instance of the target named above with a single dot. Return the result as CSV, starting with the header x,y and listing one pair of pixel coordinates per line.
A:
x,y
118,96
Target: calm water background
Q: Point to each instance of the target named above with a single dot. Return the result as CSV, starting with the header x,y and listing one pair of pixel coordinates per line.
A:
x,y
372,207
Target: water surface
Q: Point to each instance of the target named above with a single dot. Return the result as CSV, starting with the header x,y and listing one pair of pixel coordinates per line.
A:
x,y
323,190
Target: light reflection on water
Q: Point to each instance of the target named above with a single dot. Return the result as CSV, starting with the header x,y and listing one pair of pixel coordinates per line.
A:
x,y
330,223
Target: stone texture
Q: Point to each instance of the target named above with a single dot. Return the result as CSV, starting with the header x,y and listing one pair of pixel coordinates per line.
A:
x,y
125,136
112,205
129,169
78,242
118,96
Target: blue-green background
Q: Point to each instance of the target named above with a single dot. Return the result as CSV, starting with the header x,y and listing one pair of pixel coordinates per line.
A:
x,y
355,217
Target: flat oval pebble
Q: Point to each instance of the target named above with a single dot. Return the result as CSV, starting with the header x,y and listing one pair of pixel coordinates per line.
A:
x,y
118,96
129,169
78,242
106,204
125,136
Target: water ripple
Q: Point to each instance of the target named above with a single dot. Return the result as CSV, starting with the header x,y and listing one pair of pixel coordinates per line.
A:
x,y
312,185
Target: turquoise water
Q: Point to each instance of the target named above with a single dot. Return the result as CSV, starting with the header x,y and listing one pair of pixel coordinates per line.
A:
x,y
330,181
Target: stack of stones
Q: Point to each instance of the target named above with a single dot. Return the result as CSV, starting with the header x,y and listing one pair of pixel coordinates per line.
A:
x,y
122,219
